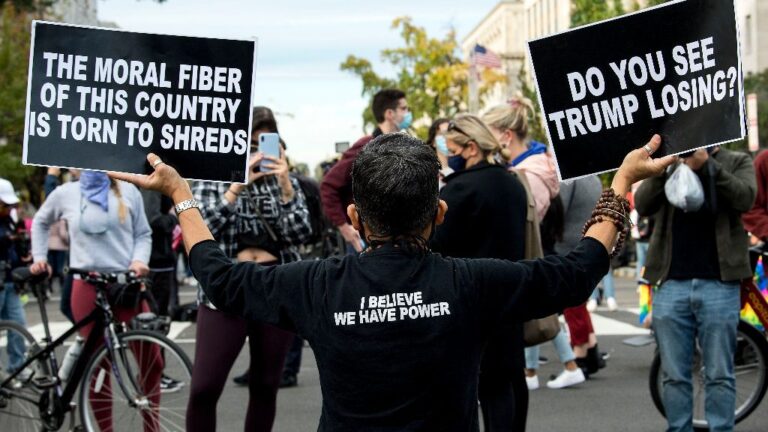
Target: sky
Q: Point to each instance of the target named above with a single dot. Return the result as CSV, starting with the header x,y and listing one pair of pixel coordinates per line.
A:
x,y
301,44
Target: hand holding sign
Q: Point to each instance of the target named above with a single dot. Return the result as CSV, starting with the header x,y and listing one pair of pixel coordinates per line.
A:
x,y
164,179
639,165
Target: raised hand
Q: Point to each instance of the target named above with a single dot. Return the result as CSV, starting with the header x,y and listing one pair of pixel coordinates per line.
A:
x,y
164,179
639,165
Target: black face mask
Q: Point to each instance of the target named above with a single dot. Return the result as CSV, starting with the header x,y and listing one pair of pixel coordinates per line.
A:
x,y
457,163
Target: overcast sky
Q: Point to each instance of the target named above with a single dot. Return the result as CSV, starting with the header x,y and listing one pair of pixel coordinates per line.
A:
x,y
300,46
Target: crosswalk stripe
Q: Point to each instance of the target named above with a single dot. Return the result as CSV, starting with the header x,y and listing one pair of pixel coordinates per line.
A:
x,y
605,326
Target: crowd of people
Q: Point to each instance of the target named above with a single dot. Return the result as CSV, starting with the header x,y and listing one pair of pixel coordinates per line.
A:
x,y
442,217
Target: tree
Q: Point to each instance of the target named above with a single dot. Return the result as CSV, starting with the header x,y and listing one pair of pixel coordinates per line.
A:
x,y
429,71
15,21
588,11
14,56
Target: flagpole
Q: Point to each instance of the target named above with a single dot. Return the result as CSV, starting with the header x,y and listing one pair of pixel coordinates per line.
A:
x,y
473,94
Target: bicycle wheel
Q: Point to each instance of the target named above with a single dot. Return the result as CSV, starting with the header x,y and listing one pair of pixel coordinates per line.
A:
x,y
124,393
20,399
750,367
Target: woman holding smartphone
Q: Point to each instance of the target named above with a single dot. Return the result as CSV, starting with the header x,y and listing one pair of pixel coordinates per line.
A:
x,y
262,221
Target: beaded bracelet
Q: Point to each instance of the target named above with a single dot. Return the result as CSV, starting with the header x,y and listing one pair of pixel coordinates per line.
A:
x,y
615,209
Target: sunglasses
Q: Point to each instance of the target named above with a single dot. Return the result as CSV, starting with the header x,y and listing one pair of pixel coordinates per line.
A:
x,y
452,126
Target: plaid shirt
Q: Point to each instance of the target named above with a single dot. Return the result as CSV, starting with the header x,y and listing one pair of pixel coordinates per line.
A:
x,y
290,221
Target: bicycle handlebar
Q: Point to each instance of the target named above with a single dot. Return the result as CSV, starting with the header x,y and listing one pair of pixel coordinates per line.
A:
x,y
102,278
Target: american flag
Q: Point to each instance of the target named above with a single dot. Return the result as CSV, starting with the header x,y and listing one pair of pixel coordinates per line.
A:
x,y
484,57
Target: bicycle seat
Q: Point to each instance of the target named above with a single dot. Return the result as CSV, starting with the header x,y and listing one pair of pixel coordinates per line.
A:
x,y
22,275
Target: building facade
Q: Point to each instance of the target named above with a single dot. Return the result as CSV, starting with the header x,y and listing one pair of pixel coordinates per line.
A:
x,y
511,23
752,16
505,31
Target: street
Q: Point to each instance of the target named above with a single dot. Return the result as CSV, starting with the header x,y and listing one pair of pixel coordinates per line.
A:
x,y
616,399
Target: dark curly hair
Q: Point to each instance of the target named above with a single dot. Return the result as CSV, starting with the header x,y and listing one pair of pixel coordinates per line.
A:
x,y
395,187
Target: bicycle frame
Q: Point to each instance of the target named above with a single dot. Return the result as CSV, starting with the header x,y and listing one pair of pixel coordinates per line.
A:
x,y
104,327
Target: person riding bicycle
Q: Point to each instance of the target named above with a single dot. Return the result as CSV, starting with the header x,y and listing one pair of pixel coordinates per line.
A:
x,y
398,331
697,258
108,231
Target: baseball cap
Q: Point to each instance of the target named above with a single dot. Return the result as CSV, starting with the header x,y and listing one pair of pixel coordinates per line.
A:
x,y
7,194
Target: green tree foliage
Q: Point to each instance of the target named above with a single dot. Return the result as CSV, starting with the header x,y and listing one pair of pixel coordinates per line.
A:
x,y
588,11
14,56
427,69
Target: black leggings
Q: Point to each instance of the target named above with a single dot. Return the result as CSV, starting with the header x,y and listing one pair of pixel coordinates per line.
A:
x,y
220,338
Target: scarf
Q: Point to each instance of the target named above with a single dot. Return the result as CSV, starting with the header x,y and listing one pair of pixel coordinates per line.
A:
x,y
94,186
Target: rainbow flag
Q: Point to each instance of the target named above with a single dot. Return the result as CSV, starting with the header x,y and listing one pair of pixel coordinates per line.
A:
x,y
645,291
747,314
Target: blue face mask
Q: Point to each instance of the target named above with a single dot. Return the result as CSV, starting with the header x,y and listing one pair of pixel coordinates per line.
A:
x,y
457,163
407,120
441,145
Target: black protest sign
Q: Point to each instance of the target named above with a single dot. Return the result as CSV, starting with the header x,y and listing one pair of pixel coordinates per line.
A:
x,y
605,89
103,99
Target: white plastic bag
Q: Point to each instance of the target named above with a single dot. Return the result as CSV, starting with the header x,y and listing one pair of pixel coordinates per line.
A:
x,y
684,190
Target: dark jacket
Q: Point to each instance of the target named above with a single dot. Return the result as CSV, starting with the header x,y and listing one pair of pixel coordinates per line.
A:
x,y
735,186
486,216
157,207
11,249
336,188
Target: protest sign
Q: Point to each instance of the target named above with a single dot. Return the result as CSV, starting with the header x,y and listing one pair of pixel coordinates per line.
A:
x,y
103,99
606,88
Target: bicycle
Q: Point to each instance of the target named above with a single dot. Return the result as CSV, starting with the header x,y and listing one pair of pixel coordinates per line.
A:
x,y
750,364
34,397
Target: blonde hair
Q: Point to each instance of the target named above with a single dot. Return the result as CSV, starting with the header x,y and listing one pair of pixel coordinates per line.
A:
x,y
515,116
474,130
122,210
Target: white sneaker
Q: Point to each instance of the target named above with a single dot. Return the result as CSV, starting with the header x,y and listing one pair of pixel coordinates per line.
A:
x,y
567,378
592,305
612,305
533,382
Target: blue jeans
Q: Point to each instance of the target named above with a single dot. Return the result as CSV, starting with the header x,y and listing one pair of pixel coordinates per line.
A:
x,y
564,351
608,288
11,309
641,249
685,311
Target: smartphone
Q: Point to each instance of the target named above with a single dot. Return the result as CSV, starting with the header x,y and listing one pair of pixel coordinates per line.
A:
x,y
269,145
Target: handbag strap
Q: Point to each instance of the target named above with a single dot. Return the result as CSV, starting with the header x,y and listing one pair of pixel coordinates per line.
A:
x,y
263,220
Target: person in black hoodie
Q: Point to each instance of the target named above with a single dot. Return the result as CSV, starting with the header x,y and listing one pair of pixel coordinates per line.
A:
x,y
487,218
162,262
398,331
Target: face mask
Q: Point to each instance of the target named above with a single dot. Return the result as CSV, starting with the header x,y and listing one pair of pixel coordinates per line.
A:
x,y
407,120
441,145
457,163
